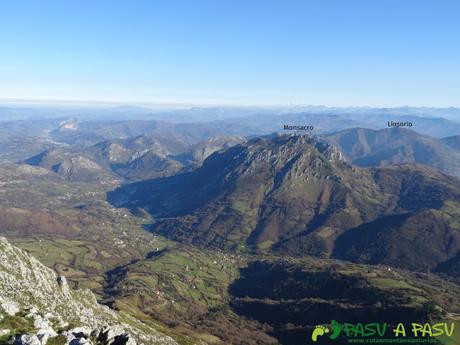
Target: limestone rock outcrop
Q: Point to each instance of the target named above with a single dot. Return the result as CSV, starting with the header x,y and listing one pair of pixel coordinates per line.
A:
x,y
33,296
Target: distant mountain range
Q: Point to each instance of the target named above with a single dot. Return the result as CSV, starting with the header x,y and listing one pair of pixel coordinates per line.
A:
x,y
297,195
205,113
28,131
255,123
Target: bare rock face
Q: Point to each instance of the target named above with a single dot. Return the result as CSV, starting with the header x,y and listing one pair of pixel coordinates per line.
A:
x,y
62,282
27,339
9,307
33,293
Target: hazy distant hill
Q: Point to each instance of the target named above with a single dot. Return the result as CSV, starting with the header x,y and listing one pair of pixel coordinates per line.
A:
x,y
72,165
198,152
367,147
453,142
142,157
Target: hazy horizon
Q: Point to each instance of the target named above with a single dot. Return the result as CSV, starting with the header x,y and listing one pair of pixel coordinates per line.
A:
x,y
183,105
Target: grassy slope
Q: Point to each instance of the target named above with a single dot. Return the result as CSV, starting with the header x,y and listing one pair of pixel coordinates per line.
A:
x,y
96,238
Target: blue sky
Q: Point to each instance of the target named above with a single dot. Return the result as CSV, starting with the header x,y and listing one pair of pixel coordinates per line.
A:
x,y
344,52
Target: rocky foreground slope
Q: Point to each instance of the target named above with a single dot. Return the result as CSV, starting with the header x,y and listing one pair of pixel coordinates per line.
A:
x,y
37,308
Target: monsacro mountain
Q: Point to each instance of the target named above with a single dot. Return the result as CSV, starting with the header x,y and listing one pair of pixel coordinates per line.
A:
x,y
37,307
298,195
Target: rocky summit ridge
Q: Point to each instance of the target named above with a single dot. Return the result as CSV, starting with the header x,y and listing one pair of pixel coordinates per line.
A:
x,y
37,307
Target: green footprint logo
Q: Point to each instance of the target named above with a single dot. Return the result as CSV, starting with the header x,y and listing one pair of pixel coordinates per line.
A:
x,y
336,330
318,331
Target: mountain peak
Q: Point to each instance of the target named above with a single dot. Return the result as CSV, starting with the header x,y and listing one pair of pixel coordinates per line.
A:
x,y
268,188
287,146
289,193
